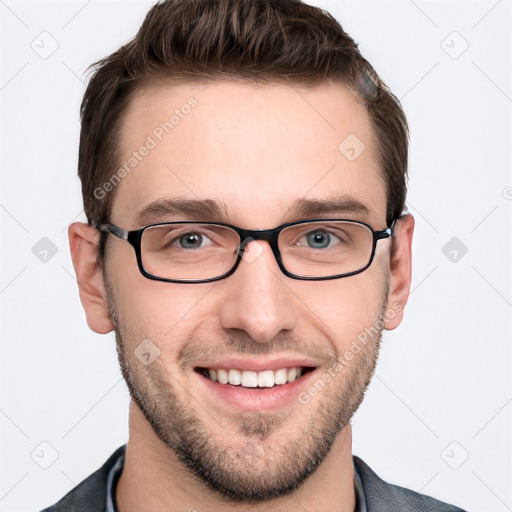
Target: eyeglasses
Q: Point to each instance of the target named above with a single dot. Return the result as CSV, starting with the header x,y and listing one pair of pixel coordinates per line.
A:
x,y
200,252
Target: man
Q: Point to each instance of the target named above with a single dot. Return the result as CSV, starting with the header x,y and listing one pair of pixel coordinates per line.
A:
x,y
243,173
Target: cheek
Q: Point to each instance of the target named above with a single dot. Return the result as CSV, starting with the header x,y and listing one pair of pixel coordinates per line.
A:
x,y
165,313
347,307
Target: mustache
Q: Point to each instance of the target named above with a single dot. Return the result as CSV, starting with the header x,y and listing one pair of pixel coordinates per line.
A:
x,y
243,345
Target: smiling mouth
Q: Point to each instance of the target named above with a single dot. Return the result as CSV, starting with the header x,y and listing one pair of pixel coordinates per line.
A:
x,y
254,380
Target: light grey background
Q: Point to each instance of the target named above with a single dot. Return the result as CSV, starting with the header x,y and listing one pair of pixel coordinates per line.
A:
x,y
442,390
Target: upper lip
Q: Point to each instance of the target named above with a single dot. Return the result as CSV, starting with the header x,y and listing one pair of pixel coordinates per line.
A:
x,y
257,365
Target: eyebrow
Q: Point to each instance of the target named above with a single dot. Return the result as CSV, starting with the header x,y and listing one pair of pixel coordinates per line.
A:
x,y
161,210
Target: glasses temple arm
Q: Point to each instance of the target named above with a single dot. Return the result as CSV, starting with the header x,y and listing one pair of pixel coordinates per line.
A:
x,y
114,230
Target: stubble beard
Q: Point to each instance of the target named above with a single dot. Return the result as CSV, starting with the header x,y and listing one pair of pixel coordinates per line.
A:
x,y
254,468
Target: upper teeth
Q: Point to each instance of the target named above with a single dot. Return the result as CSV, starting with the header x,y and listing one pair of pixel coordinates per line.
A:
x,y
250,379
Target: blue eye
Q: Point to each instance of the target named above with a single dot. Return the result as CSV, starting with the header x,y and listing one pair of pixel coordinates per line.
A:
x,y
190,240
319,237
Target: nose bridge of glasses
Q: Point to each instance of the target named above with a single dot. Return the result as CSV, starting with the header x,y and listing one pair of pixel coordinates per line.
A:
x,y
248,235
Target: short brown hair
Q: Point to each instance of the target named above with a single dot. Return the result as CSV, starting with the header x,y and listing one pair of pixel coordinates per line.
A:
x,y
284,41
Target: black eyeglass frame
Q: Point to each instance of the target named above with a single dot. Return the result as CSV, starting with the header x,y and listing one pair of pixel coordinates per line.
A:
x,y
246,235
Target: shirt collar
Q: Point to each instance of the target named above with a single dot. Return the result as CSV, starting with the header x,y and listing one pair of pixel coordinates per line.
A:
x,y
113,477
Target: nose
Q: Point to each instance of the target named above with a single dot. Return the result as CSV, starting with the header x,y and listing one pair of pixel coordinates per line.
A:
x,y
257,298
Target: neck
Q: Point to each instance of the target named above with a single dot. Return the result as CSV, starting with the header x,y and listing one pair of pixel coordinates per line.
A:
x,y
154,479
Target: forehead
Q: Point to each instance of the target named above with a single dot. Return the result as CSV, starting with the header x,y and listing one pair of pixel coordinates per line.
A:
x,y
246,153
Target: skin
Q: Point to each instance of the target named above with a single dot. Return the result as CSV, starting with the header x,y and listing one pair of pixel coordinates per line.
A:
x,y
256,149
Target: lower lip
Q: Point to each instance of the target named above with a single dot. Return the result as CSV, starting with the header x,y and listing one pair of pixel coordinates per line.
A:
x,y
256,399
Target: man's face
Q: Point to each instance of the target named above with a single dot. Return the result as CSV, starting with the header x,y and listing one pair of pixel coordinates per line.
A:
x,y
255,151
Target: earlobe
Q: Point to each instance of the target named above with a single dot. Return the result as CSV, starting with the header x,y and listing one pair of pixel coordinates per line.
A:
x,y
400,272
83,243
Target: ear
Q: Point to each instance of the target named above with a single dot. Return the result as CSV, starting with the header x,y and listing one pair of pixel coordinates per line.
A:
x,y
83,244
400,265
